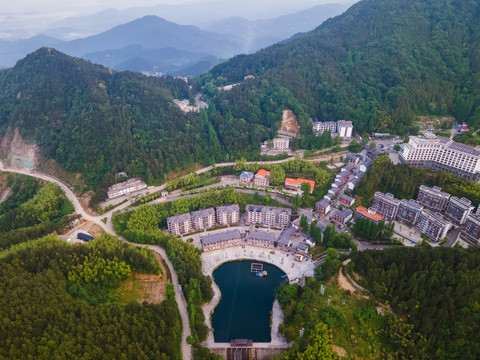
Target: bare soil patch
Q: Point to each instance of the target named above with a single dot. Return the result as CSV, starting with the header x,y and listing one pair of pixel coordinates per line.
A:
x,y
289,122
150,288
339,350
344,283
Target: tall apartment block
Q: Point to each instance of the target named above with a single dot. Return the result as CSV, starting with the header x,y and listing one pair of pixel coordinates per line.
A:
x,y
203,219
458,210
341,128
228,214
433,198
430,151
471,230
269,216
409,211
386,205
432,225
180,224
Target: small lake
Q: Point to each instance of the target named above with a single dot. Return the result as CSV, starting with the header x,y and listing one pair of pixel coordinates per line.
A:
x,y
246,303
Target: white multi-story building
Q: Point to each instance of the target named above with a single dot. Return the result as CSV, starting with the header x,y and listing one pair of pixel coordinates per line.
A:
x,y
180,224
321,127
439,153
281,143
341,128
126,187
344,129
228,214
203,219
269,216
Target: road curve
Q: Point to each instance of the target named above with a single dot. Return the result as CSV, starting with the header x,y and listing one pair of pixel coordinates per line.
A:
x,y
108,228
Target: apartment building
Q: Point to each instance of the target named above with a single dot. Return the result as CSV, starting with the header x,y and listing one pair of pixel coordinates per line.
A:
x,y
268,216
262,178
321,127
228,214
432,225
408,211
434,152
458,210
369,214
126,187
261,239
180,224
282,143
433,198
471,230
203,219
342,128
222,240
386,205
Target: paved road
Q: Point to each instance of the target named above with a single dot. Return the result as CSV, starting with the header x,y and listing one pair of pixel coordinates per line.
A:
x,y
108,227
453,237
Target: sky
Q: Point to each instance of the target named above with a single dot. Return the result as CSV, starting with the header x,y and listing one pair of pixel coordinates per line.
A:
x,y
26,18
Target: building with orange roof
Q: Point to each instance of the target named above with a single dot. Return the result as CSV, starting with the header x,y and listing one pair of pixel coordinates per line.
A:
x,y
369,214
296,184
262,178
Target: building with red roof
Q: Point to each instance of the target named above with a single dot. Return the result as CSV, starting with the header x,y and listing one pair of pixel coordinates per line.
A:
x,y
262,178
296,184
369,214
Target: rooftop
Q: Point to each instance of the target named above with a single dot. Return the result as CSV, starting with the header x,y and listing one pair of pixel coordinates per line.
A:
x,y
246,174
263,173
179,218
300,181
225,236
369,213
204,212
261,235
228,208
344,213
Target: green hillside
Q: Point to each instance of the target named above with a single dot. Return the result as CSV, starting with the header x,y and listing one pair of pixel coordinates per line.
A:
x,y
96,123
379,64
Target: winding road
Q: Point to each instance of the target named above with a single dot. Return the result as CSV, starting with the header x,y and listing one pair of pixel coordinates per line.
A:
x,y
108,228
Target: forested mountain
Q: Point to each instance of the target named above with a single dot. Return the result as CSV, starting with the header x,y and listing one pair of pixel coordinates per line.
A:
x,y
378,64
59,301
96,123
434,292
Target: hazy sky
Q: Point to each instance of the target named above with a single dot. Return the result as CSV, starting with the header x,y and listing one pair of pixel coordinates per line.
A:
x,y
26,18
75,7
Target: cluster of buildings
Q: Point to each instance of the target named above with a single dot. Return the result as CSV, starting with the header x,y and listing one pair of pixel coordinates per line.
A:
x,y
341,128
430,151
262,179
258,238
126,187
349,177
425,213
203,219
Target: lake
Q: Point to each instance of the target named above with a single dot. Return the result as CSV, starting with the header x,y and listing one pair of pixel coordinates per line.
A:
x,y
246,303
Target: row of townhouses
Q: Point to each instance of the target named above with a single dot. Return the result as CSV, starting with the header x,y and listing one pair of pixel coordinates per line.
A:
x,y
342,128
182,224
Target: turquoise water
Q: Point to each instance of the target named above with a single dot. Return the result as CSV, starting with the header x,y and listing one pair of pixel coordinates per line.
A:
x,y
246,303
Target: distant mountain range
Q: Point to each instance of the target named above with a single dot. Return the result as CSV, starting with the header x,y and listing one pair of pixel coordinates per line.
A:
x,y
154,44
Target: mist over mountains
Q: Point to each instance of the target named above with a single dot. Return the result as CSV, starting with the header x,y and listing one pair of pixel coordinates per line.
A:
x,y
154,44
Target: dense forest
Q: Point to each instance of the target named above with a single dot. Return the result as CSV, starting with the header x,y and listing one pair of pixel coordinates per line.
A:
x,y
379,64
31,210
435,291
58,301
97,123
404,182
